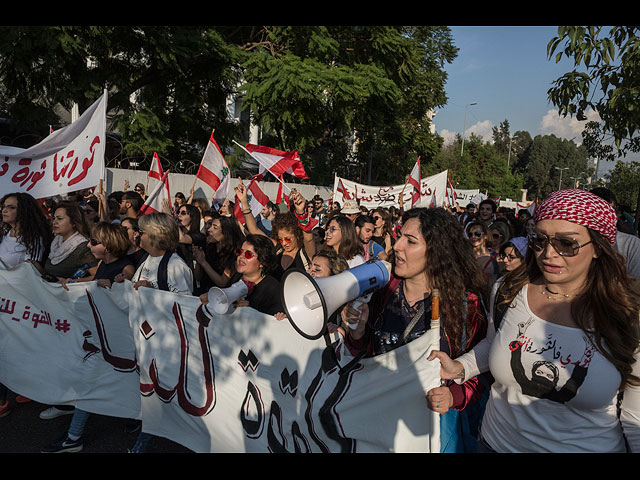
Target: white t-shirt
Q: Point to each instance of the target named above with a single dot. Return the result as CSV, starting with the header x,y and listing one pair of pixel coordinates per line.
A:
x,y
12,252
179,275
529,413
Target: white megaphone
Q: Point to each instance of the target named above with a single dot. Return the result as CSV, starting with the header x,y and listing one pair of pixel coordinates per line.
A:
x,y
309,301
221,299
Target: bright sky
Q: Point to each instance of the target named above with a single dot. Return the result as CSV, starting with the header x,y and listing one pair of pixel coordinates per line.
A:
x,y
505,70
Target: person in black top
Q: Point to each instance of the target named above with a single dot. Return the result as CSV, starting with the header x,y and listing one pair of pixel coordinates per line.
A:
x,y
109,243
136,253
255,260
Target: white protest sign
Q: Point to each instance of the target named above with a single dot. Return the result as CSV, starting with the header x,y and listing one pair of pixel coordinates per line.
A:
x,y
432,192
57,348
243,382
69,159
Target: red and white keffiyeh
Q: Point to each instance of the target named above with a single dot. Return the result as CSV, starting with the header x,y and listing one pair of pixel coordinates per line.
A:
x,y
580,207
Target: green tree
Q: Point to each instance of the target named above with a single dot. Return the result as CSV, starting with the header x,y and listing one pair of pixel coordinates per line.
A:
x,y
609,84
167,85
551,162
624,181
481,166
352,99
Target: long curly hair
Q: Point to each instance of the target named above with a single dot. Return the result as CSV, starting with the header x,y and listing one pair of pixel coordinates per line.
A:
x,y
609,312
451,268
33,226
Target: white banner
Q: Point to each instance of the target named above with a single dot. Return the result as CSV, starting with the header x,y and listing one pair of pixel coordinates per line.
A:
x,y
432,193
463,197
214,383
68,159
57,348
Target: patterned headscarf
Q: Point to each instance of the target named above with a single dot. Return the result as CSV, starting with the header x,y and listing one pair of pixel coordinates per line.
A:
x,y
580,207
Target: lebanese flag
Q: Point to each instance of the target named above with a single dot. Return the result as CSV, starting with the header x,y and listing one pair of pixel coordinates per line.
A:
x,y
414,181
276,161
214,171
155,171
257,200
159,193
452,195
282,193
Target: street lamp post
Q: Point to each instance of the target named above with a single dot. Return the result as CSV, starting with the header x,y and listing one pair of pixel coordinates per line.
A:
x,y
560,182
465,124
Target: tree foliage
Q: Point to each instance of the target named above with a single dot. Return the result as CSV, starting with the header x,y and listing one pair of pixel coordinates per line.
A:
x,y
553,163
609,84
624,181
482,166
350,98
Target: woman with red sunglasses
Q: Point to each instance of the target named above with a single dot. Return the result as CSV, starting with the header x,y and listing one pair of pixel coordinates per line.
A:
x,y
563,340
255,260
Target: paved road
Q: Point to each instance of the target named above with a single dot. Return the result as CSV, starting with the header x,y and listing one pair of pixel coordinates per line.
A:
x,y
22,431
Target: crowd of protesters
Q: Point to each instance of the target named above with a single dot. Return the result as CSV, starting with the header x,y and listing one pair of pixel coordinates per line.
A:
x,y
566,271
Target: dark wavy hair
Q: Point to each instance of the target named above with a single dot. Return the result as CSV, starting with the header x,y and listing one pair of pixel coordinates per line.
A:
x,y
222,255
451,268
609,310
33,225
265,250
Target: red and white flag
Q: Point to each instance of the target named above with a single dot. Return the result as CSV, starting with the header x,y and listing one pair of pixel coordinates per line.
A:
x,y
214,171
452,195
283,192
257,201
157,196
414,181
155,170
276,161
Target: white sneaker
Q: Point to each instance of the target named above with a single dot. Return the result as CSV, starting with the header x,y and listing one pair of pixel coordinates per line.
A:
x,y
53,412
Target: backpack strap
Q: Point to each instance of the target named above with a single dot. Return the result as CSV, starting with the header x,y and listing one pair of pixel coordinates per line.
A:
x,y
163,283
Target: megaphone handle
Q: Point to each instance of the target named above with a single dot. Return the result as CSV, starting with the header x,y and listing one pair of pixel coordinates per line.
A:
x,y
356,304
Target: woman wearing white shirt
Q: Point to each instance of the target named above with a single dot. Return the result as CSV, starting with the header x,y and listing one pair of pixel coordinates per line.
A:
x,y
564,342
24,234
25,230
159,237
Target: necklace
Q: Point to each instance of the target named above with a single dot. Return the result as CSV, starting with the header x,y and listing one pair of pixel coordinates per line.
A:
x,y
551,295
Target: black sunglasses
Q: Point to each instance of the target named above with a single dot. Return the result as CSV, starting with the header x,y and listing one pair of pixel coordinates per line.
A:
x,y
94,242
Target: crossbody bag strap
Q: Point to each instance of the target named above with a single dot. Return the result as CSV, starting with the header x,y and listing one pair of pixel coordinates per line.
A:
x,y
412,323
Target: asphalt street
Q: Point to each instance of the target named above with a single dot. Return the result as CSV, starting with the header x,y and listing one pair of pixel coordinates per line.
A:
x,y
22,431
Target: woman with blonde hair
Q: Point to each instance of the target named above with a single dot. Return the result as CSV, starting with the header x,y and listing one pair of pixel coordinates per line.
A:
x,y
163,268
563,339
